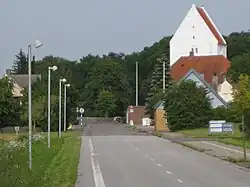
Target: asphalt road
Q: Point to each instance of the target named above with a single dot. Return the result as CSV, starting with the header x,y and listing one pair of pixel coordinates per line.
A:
x,y
115,156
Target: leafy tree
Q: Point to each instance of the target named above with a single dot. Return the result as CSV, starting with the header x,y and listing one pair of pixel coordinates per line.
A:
x,y
239,65
106,103
8,106
107,75
187,106
241,103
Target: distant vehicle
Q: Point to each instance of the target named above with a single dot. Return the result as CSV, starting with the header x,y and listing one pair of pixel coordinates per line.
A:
x,y
117,118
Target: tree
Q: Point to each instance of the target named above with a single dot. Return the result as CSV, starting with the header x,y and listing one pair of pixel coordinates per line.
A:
x,y
187,106
156,91
240,65
38,111
8,106
106,103
107,75
20,65
241,103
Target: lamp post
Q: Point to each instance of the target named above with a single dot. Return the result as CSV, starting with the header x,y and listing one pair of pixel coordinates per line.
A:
x,y
37,45
60,107
53,68
65,104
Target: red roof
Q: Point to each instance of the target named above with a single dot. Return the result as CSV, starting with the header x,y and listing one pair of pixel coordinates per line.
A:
x,y
210,25
207,65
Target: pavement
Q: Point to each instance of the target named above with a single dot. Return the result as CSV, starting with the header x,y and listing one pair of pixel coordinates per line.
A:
x,y
112,156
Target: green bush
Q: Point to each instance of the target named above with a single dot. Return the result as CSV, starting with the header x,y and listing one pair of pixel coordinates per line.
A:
x,y
226,113
187,106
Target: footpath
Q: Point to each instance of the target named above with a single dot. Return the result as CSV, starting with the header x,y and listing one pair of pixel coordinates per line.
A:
x,y
209,146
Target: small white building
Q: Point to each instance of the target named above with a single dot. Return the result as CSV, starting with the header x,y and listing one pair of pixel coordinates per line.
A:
x,y
197,35
225,90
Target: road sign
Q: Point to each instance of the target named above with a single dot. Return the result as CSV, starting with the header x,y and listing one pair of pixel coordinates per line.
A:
x,y
219,126
17,129
216,126
131,109
227,127
81,110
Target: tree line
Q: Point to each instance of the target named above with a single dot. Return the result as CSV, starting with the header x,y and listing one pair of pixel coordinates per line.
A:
x,y
104,85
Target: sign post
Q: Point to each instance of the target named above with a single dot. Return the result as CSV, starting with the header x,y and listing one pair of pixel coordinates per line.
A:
x,y
17,129
81,112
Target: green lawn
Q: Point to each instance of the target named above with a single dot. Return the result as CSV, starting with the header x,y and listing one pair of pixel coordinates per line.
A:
x,y
54,167
226,138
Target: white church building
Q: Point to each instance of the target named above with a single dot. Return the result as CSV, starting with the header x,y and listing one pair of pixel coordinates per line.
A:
x,y
197,35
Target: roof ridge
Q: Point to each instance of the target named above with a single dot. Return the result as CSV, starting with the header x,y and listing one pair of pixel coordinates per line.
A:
x,y
209,22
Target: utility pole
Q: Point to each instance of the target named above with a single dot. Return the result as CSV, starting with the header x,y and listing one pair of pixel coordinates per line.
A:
x,y
164,75
136,79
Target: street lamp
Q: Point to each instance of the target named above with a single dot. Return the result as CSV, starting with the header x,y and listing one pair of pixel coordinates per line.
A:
x,y
65,104
53,68
60,107
37,45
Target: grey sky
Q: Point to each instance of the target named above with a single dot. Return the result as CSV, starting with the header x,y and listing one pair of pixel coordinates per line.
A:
x,y
73,28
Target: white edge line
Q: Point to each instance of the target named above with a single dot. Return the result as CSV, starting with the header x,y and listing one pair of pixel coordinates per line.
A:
x,y
98,178
159,165
169,172
179,180
226,148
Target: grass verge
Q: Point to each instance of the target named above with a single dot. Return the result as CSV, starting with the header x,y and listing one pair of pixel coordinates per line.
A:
x,y
54,167
226,138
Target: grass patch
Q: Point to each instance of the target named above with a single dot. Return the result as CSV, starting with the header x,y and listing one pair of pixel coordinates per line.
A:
x,y
56,166
226,138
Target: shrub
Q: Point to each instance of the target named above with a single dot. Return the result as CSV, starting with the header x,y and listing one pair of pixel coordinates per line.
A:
x,y
187,106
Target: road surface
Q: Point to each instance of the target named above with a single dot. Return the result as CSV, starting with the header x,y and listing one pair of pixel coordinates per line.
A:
x,y
115,156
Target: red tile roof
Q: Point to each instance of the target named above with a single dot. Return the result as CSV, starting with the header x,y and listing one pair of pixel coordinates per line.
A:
x,y
210,25
207,65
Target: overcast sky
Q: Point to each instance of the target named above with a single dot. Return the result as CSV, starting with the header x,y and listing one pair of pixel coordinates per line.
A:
x,y
74,28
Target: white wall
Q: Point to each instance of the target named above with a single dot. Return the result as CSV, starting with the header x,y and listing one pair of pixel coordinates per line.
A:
x,y
222,50
225,90
192,33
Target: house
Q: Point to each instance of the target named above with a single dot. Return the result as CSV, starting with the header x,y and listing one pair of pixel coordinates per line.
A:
x,y
20,82
160,121
225,90
197,35
216,99
136,114
212,68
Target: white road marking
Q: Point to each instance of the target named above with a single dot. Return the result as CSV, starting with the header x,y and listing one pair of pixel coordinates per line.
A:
x,y
226,148
152,159
146,155
179,180
169,172
159,165
98,178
